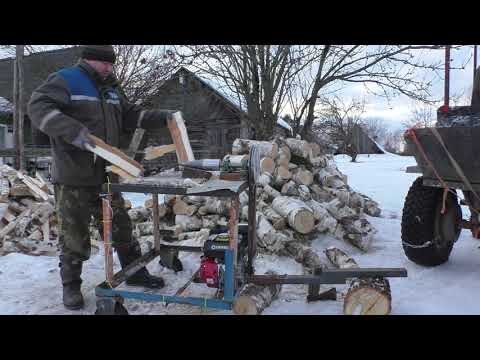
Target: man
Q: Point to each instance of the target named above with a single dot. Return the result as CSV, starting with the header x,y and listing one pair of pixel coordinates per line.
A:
x,y
70,105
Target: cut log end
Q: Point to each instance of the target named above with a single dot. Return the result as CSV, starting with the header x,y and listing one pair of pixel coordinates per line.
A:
x,y
368,297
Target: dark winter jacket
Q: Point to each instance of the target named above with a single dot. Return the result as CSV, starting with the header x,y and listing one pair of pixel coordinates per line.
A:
x,y
74,98
476,89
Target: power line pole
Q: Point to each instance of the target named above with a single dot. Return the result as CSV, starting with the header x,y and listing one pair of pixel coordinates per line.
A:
x,y
18,115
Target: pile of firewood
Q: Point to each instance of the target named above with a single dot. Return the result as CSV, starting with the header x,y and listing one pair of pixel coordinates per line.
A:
x,y
28,224
303,194
300,193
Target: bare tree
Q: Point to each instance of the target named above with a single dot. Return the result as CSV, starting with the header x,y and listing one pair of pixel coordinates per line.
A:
x,y
141,69
375,128
422,115
257,77
394,141
338,120
385,70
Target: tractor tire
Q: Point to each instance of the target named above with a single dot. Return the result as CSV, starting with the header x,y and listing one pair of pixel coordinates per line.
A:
x,y
427,235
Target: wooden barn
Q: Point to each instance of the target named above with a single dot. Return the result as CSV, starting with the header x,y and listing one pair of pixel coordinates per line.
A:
x,y
37,67
363,142
213,122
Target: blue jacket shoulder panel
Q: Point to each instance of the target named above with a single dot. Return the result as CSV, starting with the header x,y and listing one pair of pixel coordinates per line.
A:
x,y
78,82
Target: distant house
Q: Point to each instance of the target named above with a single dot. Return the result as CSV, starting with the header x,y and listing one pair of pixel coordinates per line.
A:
x,y
363,142
37,67
213,122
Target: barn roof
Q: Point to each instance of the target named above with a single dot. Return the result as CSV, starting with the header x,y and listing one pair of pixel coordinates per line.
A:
x,y
235,107
37,67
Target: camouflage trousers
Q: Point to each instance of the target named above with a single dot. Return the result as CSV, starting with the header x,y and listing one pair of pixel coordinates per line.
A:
x,y
76,207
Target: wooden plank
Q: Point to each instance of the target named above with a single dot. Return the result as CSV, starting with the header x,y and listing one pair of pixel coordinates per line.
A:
x,y
35,190
9,216
179,134
46,231
154,152
7,229
137,138
115,156
123,174
4,190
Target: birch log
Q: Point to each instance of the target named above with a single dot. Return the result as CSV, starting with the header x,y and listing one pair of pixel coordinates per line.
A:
x,y
299,215
290,188
182,208
284,156
278,222
266,148
281,176
188,223
299,148
254,299
267,165
365,296
302,176
270,192
139,214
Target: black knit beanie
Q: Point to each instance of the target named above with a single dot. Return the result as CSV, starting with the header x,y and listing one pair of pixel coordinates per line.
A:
x,y
98,52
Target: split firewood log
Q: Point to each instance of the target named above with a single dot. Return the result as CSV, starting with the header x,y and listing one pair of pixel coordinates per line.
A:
x,y
290,188
366,296
304,193
196,200
304,255
243,198
268,238
270,192
188,223
284,156
316,150
278,222
213,205
201,235
299,215
182,208
281,176
357,232
253,299
267,165
302,176
210,221
319,194
42,212
4,190
244,213
266,148
139,214
300,148
324,177
326,222
265,179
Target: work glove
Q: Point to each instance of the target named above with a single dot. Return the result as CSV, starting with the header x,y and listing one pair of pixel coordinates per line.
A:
x,y
82,139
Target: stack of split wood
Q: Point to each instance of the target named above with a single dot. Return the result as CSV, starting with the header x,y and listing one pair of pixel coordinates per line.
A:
x,y
28,224
302,193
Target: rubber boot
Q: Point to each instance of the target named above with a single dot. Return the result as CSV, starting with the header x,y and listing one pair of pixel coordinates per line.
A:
x,y
128,254
70,271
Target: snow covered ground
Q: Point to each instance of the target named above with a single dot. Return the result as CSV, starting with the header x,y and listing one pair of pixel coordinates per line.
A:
x,y
30,285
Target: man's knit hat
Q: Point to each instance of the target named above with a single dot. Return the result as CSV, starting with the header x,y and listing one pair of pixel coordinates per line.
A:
x,y
98,52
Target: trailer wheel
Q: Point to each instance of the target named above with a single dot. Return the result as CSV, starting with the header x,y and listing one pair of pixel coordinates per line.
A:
x,y
427,235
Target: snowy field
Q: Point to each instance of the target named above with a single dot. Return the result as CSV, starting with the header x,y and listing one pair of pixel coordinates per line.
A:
x,y
31,285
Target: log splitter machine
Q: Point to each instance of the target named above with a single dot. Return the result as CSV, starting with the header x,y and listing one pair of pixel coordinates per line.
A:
x,y
228,256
